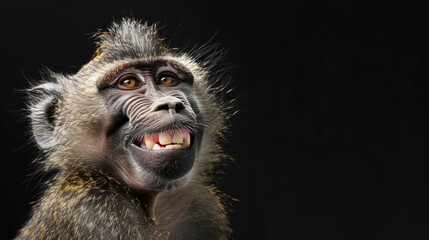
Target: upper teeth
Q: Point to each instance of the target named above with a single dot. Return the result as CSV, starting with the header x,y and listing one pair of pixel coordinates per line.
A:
x,y
173,139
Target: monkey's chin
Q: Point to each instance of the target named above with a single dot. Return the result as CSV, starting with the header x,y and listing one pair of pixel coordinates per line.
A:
x,y
162,168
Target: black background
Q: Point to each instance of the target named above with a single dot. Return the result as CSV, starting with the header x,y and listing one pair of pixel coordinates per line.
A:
x,y
332,136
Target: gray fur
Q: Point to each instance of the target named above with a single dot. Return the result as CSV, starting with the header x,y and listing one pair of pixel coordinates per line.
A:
x,y
85,202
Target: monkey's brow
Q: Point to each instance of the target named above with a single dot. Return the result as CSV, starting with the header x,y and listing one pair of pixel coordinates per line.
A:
x,y
107,79
111,75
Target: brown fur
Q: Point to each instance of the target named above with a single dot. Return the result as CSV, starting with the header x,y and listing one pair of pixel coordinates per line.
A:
x,y
89,199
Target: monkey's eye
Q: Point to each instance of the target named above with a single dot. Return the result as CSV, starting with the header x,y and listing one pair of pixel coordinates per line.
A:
x,y
167,80
129,82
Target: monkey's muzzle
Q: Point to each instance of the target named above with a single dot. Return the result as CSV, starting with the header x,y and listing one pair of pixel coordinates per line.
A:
x,y
169,154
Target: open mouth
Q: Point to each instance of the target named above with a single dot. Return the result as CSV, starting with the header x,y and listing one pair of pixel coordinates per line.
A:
x,y
169,154
171,139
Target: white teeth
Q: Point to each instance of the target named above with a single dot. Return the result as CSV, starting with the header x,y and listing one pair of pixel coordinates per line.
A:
x,y
177,138
149,142
164,138
186,139
173,146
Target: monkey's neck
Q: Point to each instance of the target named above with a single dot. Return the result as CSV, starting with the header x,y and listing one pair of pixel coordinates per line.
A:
x,y
148,199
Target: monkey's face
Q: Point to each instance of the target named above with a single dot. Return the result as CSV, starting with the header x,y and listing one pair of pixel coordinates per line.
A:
x,y
138,120
155,126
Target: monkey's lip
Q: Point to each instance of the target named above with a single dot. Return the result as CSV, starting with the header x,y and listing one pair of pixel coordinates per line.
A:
x,y
170,139
167,163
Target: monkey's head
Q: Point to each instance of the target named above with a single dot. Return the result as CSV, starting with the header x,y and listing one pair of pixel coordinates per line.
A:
x,y
139,111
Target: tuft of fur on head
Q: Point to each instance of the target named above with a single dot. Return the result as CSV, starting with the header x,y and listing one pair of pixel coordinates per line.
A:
x,y
129,39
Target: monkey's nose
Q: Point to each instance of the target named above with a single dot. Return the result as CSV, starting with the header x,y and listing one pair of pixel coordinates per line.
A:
x,y
169,104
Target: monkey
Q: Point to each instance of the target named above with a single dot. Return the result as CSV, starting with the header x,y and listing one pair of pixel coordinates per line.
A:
x,y
133,139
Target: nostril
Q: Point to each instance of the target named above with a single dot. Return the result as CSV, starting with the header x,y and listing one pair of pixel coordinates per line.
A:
x,y
161,107
179,107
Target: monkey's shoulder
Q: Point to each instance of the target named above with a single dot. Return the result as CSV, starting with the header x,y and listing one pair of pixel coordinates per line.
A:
x,y
79,207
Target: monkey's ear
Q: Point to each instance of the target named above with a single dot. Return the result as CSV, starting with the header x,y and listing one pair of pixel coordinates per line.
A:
x,y
44,103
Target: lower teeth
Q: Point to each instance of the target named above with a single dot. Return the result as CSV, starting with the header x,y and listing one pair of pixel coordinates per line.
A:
x,y
173,146
158,147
